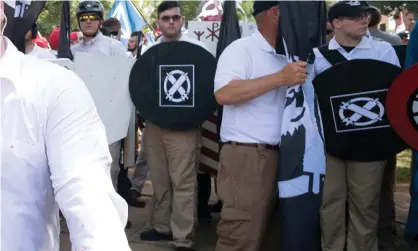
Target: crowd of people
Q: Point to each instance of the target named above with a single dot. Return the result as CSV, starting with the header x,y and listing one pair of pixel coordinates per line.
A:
x,y
58,147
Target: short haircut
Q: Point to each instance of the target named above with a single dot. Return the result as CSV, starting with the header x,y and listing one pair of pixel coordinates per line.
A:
x,y
166,5
375,16
112,24
135,33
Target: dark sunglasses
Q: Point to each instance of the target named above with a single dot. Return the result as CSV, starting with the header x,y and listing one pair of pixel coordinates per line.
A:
x,y
167,18
85,18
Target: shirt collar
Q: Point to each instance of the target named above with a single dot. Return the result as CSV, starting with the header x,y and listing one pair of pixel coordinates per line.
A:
x,y
10,62
162,38
97,37
364,44
262,42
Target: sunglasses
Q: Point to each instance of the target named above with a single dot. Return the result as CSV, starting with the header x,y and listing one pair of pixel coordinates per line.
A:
x,y
174,18
85,18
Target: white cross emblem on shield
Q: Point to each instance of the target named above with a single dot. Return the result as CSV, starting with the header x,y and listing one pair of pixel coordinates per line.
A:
x,y
177,85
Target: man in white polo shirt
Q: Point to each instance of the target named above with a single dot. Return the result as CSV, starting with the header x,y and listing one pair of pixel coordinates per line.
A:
x,y
249,84
54,155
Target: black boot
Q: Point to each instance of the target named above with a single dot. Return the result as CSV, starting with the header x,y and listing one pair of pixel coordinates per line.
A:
x,y
154,235
184,249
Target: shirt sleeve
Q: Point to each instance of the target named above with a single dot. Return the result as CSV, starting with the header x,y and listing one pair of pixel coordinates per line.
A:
x,y
233,64
79,161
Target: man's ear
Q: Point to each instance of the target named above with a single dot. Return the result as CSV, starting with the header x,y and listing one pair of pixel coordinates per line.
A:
x,y
336,23
183,20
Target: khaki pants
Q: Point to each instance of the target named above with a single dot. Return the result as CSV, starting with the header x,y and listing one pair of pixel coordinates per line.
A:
x,y
171,157
247,186
354,186
114,149
387,222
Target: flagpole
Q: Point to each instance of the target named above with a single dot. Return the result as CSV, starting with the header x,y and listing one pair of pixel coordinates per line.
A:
x,y
149,25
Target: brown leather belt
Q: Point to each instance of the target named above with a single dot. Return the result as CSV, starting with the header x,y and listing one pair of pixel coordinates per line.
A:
x,y
266,146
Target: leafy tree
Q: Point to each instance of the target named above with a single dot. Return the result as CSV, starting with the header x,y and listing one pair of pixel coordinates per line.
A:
x,y
390,7
51,15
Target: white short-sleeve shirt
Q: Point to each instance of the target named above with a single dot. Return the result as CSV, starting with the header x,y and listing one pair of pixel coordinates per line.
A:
x,y
257,120
368,48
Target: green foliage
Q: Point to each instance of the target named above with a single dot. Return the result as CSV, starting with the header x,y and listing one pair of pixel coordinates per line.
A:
x,y
390,7
51,15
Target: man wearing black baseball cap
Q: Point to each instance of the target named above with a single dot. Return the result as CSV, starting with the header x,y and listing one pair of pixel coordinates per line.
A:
x,y
355,183
348,9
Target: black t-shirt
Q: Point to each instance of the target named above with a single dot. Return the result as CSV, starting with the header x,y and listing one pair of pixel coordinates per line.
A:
x,y
348,48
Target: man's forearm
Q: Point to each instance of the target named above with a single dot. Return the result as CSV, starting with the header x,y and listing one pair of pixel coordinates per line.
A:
x,y
239,91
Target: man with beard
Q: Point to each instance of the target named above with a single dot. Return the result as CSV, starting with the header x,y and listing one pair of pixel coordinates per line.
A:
x,y
171,157
54,155
133,45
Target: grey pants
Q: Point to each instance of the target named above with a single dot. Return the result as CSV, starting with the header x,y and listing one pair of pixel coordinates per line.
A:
x,y
141,170
115,168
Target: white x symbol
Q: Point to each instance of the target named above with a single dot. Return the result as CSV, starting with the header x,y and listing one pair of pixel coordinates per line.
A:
x,y
360,112
176,86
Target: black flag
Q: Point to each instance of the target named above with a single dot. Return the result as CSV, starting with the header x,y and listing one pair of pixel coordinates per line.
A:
x,y
229,30
140,44
228,33
21,15
65,29
302,34
302,153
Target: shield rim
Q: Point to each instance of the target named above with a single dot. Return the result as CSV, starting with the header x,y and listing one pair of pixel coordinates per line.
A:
x,y
401,91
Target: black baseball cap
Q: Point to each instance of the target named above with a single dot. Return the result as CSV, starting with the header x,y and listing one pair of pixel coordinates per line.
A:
x,y
260,6
348,9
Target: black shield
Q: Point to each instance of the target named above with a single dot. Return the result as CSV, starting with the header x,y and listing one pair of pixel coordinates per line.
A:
x,y
352,99
172,85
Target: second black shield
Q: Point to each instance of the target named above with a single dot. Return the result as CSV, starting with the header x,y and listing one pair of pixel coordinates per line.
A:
x,y
351,98
172,85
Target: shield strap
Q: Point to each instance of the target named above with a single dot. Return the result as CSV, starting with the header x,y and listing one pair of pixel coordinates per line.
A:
x,y
333,56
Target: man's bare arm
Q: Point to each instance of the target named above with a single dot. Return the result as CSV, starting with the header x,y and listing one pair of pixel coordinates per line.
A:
x,y
239,91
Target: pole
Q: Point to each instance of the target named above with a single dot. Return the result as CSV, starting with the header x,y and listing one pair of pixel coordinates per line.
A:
x,y
149,25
